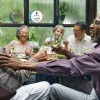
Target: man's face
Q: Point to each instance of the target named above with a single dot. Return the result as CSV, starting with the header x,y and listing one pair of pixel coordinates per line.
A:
x,y
78,33
95,30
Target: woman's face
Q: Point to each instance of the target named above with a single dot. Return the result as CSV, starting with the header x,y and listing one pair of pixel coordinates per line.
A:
x,y
58,33
23,35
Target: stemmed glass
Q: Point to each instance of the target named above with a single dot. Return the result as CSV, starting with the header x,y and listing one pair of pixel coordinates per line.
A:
x,y
49,41
12,51
56,42
28,53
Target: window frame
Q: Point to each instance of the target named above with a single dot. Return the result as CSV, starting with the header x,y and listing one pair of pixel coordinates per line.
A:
x,y
90,15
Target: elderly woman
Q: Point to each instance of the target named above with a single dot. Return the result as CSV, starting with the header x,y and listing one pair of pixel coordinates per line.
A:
x,y
22,48
22,45
58,34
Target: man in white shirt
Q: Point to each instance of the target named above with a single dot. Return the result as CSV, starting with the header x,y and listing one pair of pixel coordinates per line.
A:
x,y
79,43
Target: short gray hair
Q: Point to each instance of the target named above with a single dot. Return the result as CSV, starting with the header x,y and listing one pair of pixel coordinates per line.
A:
x,y
18,31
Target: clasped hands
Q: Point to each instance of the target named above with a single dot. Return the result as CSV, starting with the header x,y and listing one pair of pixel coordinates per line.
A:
x,y
15,63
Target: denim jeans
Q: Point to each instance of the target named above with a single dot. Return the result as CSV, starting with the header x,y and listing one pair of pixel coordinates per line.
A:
x,y
60,92
49,78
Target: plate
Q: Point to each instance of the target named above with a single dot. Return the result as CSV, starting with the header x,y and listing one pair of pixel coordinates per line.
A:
x,y
24,60
22,56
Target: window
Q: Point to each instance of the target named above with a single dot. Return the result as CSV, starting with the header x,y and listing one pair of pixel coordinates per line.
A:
x,y
41,11
98,6
40,15
72,11
12,11
7,34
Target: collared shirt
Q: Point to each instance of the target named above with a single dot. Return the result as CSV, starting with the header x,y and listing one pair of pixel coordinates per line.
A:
x,y
90,64
80,47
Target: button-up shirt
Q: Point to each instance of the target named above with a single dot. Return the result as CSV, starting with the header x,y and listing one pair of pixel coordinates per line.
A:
x,y
76,66
80,47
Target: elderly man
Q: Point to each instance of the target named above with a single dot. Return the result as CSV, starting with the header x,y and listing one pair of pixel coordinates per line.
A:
x,y
77,66
11,82
80,42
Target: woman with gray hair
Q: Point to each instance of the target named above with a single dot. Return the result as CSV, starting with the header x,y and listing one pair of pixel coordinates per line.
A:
x,y
22,45
22,48
58,32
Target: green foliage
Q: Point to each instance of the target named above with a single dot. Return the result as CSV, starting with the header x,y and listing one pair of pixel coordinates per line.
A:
x,y
38,34
63,10
70,11
48,15
7,36
7,6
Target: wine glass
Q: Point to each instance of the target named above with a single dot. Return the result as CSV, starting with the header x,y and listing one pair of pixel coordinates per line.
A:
x,y
47,42
11,50
46,45
28,52
56,42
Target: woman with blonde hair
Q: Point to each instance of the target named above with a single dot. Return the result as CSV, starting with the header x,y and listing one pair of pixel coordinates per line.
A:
x,y
58,33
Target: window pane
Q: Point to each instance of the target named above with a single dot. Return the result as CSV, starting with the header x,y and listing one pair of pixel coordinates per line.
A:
x,y
68,32
71,11
98,6
7,34
41,11
38,34
11,11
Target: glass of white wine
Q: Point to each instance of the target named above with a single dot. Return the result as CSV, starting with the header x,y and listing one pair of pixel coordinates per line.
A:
x,y
47,42
56,42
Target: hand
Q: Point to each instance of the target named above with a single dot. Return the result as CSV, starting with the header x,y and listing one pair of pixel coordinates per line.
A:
x,y
66,44
58,49
41,55
27,52
61,50
9,61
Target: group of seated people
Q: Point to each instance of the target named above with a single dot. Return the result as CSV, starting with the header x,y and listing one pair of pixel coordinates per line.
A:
x,y
72,74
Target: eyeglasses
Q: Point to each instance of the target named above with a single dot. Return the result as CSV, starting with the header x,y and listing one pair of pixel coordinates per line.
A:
x,y
76,30
95,22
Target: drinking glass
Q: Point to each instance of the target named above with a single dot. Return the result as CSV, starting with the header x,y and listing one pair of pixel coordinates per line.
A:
x,y
55,43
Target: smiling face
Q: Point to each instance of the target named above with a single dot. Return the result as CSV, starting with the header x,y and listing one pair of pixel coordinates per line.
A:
x,y
58,33
78,33
95,30
23,35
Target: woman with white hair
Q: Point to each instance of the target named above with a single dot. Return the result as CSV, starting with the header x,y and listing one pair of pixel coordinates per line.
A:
x,y
22,48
